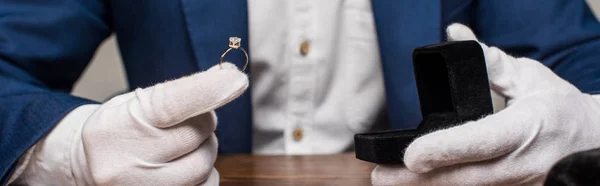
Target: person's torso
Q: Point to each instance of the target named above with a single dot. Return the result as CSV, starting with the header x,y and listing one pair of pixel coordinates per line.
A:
x,y
316,74
161,40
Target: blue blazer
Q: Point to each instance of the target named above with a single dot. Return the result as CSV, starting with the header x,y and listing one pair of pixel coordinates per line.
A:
x,y
46,44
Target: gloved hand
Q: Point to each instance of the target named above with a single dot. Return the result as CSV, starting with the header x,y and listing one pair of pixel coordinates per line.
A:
x,y
160,135
546,118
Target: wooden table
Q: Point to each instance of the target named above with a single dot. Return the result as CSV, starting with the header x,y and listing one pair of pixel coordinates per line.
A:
x,y
339,169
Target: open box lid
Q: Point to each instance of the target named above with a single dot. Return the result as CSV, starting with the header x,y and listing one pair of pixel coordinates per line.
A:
x,y
452,80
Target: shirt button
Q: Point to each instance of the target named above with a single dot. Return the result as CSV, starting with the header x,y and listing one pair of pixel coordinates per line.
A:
x,y
298,134
304,48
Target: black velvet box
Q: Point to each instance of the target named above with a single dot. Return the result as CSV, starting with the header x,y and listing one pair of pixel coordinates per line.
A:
x,y
453,88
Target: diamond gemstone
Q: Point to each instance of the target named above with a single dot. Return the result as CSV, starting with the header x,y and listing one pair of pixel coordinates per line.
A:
x,y
235,39
234,42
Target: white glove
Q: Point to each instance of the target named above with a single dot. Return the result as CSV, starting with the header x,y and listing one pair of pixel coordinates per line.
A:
x,y
546,118
160,135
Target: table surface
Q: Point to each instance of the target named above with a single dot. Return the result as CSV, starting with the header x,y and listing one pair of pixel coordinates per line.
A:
x,y
338,169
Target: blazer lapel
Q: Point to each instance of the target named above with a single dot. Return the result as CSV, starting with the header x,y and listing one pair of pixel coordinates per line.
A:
x,y
210,24
402,26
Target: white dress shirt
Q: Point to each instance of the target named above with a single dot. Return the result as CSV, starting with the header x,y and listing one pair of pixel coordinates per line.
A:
x,y
316,81
312,99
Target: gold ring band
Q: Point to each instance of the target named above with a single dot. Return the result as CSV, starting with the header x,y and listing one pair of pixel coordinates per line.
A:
x,y
234,43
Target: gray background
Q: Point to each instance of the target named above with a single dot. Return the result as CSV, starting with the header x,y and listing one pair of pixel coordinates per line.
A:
x,y
105,77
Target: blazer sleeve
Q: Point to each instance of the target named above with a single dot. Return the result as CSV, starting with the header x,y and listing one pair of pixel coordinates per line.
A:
x,y
562,34
44,47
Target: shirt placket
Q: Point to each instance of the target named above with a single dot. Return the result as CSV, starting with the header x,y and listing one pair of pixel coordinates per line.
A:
x,y
302,78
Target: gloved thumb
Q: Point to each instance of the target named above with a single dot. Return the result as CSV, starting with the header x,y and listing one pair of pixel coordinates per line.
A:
x,y
484,139
171,102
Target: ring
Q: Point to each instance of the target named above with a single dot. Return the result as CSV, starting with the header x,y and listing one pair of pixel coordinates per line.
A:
x,y
234,43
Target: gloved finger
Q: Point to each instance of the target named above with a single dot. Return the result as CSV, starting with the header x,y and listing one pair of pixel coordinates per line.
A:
x,y
500,66
166,104
120,99
509,76
460,32
183,138
535,77
502,72
487,138
225,65
192,169
481,173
